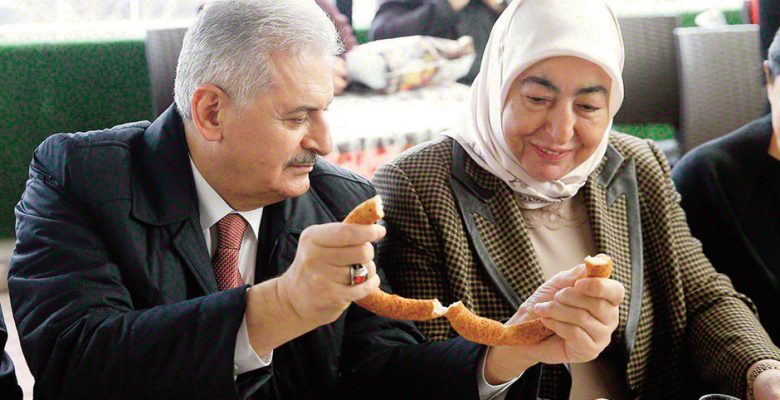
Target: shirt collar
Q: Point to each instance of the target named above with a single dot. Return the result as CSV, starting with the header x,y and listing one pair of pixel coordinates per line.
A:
x,y
213,208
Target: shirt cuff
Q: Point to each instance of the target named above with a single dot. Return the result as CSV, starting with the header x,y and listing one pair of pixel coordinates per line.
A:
x,y
486,390
245,359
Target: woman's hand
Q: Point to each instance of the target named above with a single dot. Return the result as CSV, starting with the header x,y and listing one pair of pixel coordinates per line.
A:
x,y
766,386
583,313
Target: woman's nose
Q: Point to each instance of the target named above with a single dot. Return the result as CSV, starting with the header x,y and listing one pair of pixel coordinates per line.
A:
x,y
561,120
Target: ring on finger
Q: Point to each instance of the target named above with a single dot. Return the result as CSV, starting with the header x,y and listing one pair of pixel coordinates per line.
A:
x,y
358,274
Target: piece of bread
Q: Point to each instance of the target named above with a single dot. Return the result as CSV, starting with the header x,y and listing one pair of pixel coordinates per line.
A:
x,y
366,213
469,325
492,333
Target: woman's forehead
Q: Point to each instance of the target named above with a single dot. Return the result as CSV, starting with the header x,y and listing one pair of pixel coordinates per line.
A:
x,y
557,73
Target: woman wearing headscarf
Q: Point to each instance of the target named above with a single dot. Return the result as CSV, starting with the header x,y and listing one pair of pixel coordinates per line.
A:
x,y
730,191
533,181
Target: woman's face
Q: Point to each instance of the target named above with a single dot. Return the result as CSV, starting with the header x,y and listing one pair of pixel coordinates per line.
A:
x,y
555,115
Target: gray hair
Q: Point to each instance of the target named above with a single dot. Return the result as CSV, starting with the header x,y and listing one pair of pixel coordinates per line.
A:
x,y
231,42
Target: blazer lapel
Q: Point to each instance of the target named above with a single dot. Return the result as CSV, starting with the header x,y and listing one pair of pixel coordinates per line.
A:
x,y
508,253
613,206
164,194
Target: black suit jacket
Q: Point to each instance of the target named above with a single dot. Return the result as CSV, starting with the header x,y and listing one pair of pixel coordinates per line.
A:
x,y
730,191
113,287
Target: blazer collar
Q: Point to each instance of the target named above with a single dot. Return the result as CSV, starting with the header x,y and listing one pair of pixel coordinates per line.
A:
x,y
163,188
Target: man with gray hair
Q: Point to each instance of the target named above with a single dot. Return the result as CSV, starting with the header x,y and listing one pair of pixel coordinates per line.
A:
x,y
200,257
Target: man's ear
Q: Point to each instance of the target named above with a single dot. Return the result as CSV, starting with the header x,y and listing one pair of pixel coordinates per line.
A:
x,y
208,108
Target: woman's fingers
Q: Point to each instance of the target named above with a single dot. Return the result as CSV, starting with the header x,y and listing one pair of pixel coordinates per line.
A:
x,y
607,289
603,310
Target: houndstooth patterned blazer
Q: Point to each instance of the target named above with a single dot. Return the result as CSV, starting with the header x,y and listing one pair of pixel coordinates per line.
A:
x,y
693,333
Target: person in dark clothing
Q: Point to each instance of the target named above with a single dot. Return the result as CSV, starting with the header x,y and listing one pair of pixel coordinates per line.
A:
x,y
730,191
449,19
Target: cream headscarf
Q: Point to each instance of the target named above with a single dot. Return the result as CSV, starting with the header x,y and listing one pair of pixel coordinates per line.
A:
x,y
527,32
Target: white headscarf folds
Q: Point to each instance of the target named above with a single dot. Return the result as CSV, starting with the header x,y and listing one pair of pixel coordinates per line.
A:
x,y
527,32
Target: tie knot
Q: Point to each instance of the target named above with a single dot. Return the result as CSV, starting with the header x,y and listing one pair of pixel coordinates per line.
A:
x,y
230,231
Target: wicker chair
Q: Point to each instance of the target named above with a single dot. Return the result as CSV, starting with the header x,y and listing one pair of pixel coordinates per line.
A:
x,y
162,55
650,71
720,79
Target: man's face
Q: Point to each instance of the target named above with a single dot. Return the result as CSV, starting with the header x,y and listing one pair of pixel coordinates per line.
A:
x,y
268,150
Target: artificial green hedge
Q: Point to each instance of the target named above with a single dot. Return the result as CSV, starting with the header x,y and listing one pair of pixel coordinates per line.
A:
x,y
64,87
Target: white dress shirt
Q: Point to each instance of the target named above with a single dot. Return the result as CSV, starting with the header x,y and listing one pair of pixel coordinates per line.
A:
x,y
212,209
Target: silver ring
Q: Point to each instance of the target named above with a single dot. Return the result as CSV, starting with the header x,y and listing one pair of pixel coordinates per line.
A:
x,y
358,274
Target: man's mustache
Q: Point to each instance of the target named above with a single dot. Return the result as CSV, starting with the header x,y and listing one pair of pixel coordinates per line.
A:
x,y
307,158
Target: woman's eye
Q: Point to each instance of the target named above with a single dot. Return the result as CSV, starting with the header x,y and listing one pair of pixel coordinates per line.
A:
x,y
537,100
589,108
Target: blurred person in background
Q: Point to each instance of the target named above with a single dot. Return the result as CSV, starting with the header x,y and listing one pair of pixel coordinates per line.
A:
x,y
449,19
730,191
348,39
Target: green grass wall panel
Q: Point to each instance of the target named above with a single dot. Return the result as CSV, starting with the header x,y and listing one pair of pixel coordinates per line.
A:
x,y
63,87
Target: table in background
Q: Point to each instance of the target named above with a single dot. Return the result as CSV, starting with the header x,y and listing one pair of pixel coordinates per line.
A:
x,y
369,129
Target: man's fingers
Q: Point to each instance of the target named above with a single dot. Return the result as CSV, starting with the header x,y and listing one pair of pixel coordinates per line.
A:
x,y
361,290
337,234
341,256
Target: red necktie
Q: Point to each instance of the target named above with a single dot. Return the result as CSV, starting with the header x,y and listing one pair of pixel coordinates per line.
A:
x,y
230,231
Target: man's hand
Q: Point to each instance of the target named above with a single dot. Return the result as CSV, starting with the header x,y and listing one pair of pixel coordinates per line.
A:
x,y
339,68
767,384
315,290
317,284
583,313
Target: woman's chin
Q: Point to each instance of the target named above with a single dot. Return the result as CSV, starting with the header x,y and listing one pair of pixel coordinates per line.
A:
x,y
548,174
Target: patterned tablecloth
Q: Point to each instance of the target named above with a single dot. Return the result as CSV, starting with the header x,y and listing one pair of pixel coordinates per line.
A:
x,y
369,129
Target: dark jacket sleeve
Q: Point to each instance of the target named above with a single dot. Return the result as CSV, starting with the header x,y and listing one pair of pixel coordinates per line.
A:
x,y
9,389
396,18
81,335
